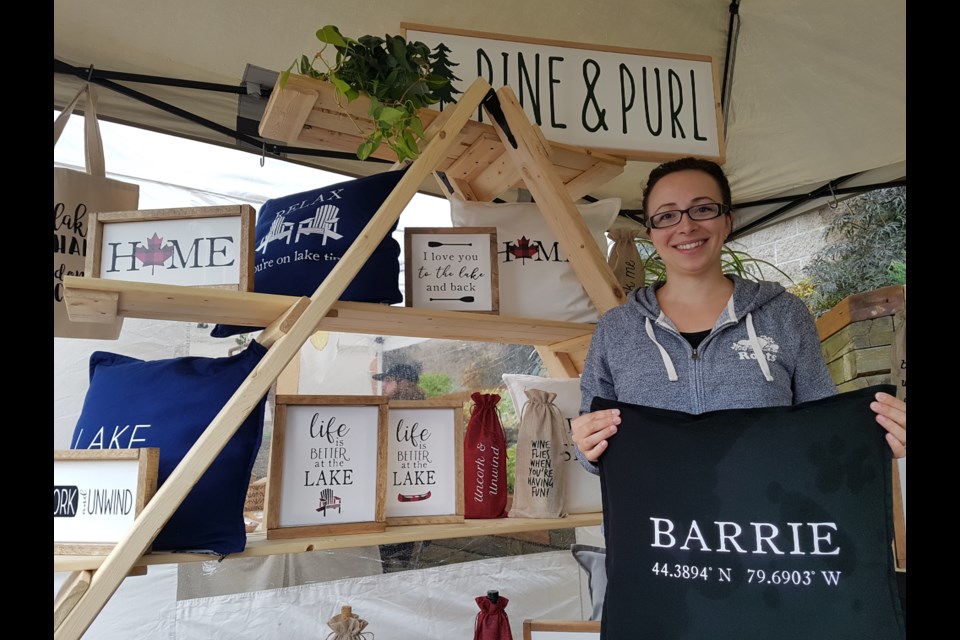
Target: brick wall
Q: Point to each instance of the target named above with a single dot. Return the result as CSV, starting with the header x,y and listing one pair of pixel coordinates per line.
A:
x,y
789,244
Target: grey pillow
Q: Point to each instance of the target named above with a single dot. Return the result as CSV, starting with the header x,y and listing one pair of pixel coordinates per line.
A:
x,y
593,561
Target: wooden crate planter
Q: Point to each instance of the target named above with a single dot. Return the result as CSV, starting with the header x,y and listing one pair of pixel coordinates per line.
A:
x,y
306,112
856,337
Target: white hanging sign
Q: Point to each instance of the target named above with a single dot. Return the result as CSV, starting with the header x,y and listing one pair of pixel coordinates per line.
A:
x,y
642,105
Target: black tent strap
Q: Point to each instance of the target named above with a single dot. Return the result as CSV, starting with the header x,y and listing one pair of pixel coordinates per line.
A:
x,y
832,188
733,30
95,75
254,143
819,193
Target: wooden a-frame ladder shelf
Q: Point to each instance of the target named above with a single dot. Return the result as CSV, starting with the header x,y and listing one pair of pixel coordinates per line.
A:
x,y
520,153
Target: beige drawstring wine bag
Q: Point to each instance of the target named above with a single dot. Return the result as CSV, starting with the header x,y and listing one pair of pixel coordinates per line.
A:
x,y
541,441
77,194
625,260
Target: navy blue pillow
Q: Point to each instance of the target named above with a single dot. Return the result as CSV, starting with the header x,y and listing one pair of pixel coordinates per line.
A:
x,y
301,238
168,404
750,524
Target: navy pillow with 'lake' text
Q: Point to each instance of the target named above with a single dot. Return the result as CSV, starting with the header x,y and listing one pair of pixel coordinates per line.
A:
x,y
743,524
168,404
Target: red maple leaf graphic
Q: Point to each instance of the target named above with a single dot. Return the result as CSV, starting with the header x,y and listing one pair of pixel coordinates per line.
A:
x,y
154,253
522,249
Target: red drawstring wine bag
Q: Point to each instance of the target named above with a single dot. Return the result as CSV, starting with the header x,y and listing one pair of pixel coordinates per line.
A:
x,y
492,622
485,460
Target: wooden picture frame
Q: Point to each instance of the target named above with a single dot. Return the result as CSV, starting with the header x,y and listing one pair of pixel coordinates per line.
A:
x,y
193,246
328,466
561,630
452,268
425,462
97,496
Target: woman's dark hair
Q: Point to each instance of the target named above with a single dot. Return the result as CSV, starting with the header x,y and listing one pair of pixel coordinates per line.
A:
x,y
689,164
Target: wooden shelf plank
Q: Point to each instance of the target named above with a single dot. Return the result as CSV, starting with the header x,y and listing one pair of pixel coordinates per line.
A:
x,y
259,546
200,304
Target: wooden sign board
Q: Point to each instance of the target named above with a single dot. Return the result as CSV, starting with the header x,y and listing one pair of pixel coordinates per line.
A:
x,y
561,630
97,496
452,268
195,246
634,103
425,462
328,464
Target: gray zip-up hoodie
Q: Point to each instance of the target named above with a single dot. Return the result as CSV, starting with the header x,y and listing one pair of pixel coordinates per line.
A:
x,y
763,351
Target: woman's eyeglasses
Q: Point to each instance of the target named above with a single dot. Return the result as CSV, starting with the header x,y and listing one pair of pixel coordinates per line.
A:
x,y
698,212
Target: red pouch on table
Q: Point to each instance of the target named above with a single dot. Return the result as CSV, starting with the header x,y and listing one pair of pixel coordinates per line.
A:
x,y
492,622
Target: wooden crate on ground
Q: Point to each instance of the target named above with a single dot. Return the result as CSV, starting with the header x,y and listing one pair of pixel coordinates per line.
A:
x,y
857,337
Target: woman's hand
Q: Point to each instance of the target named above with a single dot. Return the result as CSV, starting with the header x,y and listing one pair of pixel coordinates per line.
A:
x,y
591,430
892,416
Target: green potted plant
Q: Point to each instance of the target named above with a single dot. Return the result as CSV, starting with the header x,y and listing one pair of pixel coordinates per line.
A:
x,y
398,78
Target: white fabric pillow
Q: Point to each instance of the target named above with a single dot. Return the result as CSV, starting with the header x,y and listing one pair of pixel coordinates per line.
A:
x,y
542,285
581,489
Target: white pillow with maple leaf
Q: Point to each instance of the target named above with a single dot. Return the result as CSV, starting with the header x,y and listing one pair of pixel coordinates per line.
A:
x,y
536,280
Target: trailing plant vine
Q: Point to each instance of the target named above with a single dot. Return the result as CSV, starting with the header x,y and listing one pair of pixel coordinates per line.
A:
x,y
399,77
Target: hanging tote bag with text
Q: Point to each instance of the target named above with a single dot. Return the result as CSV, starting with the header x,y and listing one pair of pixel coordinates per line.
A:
x,y
485,460
77,194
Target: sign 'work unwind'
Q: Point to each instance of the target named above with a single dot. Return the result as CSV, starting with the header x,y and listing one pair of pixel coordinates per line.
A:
x,y
97,495
643,105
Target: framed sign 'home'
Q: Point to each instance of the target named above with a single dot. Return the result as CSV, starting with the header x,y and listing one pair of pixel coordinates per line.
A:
x,y
194,246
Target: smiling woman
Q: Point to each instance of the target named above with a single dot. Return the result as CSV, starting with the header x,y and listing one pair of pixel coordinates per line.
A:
x,y
696,344
694,332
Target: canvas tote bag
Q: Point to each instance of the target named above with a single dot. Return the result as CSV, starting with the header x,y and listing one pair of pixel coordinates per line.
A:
x,y
77,194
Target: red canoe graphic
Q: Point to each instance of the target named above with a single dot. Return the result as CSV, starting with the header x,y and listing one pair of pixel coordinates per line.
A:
x,y
413,498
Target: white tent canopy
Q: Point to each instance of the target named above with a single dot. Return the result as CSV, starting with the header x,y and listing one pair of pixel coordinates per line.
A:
x,y
816,100
815,88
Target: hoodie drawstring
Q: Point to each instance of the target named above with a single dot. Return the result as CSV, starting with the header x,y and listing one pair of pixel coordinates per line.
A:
x,y
751,334
667,362
758,349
